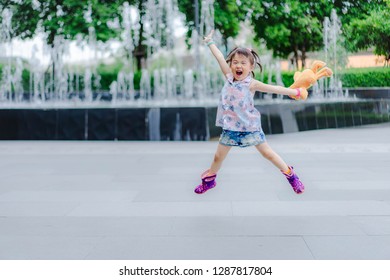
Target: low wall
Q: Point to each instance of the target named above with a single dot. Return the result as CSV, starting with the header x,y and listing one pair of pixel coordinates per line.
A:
x,y
104,124
370,93
193,123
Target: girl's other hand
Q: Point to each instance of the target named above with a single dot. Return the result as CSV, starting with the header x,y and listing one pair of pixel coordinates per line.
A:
x,y
209,37
301,96
304,94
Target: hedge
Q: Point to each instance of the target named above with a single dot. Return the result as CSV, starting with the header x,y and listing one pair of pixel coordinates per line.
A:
x,y
366,77
351,78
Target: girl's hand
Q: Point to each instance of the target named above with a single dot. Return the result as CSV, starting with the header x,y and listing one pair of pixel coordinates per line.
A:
x,y
209,37
300,95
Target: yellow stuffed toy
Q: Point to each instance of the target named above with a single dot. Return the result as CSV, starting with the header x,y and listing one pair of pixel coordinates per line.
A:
x,y
305,79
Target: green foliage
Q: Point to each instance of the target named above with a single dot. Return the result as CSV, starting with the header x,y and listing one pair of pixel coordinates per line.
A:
x,y
24,20
25,79
366,77
348,10
288,27
350,78
372,31
109,73
112,69
227,14
287,78
106,78
66,18
291,27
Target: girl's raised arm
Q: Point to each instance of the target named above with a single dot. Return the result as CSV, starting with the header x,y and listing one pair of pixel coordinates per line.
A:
x,y
217,53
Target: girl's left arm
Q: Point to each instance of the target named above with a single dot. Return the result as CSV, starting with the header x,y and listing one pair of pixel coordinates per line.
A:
x,y
259,86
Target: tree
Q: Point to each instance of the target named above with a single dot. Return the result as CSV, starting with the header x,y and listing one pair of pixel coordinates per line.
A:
x,y
63,17
69,19
24,20
288,26
293,26
372,31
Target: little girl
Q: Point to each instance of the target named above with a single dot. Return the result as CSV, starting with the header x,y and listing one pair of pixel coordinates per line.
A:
x,y
238,116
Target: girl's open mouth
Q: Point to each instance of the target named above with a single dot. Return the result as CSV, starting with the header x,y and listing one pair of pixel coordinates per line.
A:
x,y
239,73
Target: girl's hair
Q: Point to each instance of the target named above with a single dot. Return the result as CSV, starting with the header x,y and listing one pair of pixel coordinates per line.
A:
x,y
249,53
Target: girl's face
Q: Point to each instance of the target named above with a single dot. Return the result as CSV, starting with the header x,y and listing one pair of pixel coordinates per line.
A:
x,y
241,67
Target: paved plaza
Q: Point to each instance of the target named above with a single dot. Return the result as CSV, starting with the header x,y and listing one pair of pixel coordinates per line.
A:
x,y
135,200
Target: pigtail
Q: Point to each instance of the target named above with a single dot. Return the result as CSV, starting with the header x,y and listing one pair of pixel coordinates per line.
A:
x,y
257,59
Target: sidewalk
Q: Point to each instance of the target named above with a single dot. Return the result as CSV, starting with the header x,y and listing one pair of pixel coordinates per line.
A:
x,y
135,200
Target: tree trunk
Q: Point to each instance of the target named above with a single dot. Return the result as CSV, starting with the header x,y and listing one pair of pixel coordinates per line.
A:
x,y
225,44
50,38
296,57
139,51
51,66
303,58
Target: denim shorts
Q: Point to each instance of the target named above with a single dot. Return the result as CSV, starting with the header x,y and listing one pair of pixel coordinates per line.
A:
x,y
242,139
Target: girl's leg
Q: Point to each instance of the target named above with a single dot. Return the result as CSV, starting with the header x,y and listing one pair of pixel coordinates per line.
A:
x,y
219,157
291,176
208,177
267,152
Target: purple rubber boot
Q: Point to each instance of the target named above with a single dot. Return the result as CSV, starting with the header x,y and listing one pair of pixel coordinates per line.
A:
x,y
294,181
208,182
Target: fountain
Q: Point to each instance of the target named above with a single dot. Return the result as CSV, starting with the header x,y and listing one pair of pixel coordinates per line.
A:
x,y
174,102
335,56
11,80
